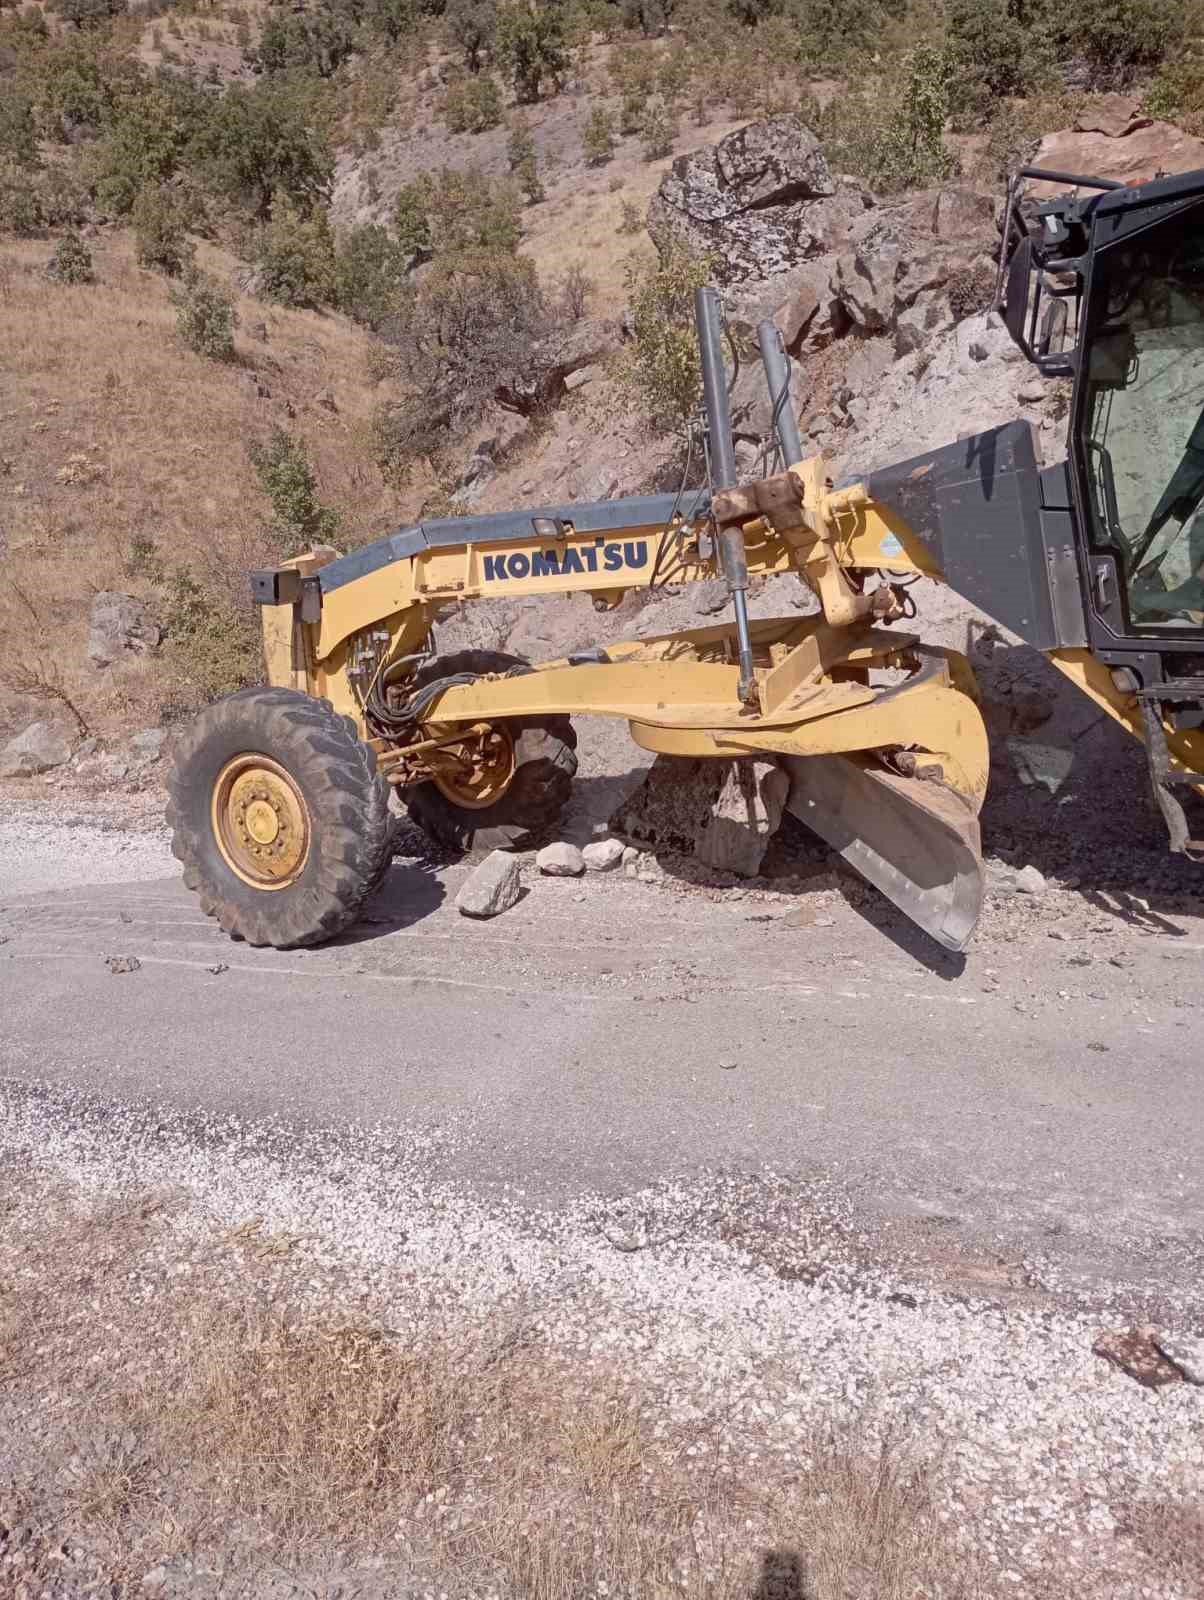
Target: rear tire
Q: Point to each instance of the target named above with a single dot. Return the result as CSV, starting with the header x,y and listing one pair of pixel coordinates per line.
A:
x,y
545,757
278,816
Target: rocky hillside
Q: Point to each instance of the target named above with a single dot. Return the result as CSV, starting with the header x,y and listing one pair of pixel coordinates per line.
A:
x,y
267,277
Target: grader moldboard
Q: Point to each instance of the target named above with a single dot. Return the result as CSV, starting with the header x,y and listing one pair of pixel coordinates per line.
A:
x,y
279,795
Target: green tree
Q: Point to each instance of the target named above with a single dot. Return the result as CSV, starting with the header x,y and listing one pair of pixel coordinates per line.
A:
x,y
264,141
18,132
286,477
371,272
205,316
294,252
1120,38
89,13
318,40
531,46
662,364
71,261
146,140
993,53
457,211
472,105
161,219
471,26
599,138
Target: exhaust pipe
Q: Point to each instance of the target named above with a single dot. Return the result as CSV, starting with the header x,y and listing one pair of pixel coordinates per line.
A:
x,y
723,475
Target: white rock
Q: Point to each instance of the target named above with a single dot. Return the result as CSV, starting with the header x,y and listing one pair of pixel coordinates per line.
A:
x,y
1186,1351
40,747
560,860
603,855
492,888
631,855
1030,881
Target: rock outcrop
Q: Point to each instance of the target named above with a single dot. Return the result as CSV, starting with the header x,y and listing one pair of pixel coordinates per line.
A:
x,y
120,626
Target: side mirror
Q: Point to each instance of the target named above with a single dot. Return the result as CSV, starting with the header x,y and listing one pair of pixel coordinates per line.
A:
x,y
1015,295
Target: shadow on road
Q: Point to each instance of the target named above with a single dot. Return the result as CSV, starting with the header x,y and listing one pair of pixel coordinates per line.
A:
x,y
407,894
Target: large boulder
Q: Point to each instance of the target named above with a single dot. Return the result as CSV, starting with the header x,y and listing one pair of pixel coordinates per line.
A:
x,y
758,202
1135,154
723,813
553,361
39,748
120,626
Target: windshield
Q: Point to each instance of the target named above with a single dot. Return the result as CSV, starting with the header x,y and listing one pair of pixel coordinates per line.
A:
x,y
1144,420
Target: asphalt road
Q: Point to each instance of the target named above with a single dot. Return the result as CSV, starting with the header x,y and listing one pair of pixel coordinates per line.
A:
x,y
609,1033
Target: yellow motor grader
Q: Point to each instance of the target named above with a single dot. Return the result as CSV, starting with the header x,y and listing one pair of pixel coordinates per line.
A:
x,y
279,795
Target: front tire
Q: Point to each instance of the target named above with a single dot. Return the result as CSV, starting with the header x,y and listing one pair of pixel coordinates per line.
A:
x,y
544,764
278,816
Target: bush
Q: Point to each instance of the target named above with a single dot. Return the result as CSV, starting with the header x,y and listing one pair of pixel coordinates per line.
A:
x,y
531,46
20,207
992,54
1120,38
662,365
894,139
471,331
304,41
631,219
472,105
455,211
205,316
18,133
146,140
89,13
599,140
261,142
660,130
471,26
294,253
161,221
287,479
576,292
370,273
71,261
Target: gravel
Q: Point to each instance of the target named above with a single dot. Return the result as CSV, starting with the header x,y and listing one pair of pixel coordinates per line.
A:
x,y
43,850
758,1294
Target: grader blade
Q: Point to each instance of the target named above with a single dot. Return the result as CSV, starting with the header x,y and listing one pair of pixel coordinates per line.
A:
x,y
916,841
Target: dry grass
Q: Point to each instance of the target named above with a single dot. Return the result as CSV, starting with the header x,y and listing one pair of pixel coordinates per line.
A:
x,y
112,434
163,1400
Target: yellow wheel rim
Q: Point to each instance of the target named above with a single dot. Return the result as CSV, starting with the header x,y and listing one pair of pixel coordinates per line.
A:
x,y
477,773
260,822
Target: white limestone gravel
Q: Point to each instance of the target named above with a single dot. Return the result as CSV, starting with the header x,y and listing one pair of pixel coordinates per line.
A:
x,y
40,850
749,1294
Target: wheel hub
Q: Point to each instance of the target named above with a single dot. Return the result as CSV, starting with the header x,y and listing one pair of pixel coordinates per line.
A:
x,y
477,773
260,822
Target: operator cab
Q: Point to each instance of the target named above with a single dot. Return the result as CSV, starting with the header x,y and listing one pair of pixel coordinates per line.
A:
x,y
1108,288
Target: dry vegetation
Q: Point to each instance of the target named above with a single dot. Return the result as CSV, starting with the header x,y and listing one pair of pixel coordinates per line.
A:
x,y
169,1394
117,444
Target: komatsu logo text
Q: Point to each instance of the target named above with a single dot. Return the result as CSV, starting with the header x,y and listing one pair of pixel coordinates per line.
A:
x,y
597,557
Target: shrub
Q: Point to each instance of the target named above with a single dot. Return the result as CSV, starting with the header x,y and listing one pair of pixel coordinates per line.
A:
x,y
161,232
286,477
472,105
662,365
1120,38
71,261
471,332
264,141
471,26
660,130
89,13
205,316
18,132
599,140
630,217
527,176
576,292
894,139
1177,95
370,273
304,41
20,207
531,46
992,54
295,256
454,211
145,140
